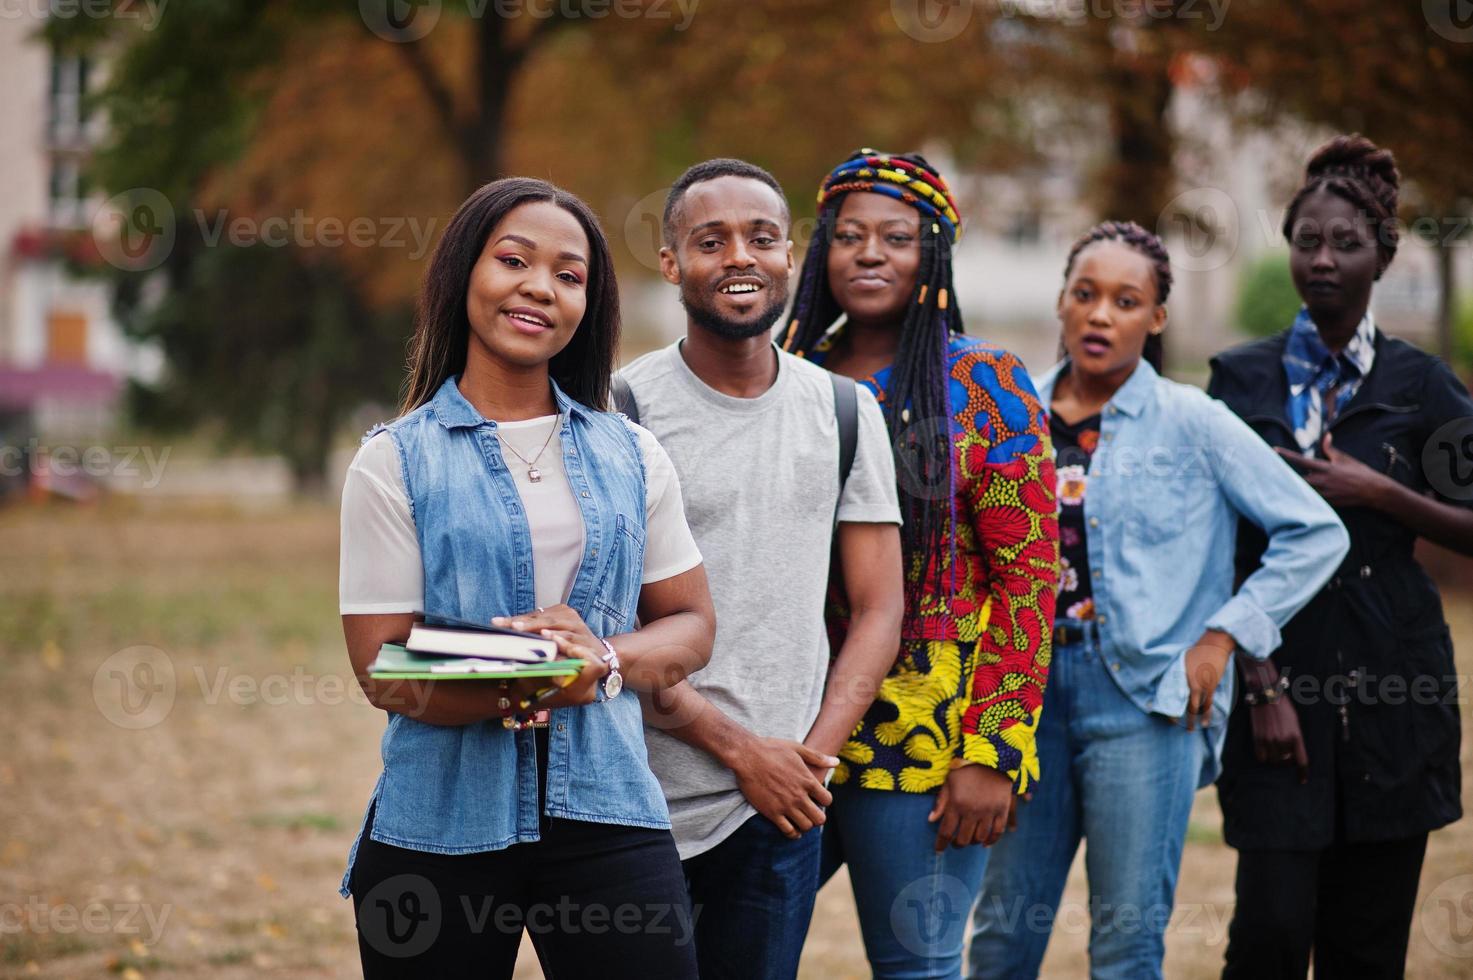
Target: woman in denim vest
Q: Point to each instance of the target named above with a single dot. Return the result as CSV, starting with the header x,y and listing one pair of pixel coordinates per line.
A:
x,y
504,494
1153,477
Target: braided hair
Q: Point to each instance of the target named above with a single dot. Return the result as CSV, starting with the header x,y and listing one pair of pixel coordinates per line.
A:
x,y
1354,168
915,397
1131,234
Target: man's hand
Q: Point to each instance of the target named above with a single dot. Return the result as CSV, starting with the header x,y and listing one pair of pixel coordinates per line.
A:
x,y
1206,661
777,777
972,807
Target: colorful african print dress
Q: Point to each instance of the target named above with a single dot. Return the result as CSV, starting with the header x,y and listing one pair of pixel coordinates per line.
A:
x,y
968,683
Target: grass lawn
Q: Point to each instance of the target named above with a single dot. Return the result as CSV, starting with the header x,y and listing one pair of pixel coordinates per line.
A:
x,y
202,832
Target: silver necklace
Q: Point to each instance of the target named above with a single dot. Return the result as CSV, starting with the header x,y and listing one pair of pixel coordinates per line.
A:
x,y
533,473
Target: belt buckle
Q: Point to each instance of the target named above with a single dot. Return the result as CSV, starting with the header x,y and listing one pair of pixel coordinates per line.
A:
x,y
537,719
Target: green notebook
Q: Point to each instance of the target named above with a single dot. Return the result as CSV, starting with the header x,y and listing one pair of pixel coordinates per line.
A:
x,y
396,663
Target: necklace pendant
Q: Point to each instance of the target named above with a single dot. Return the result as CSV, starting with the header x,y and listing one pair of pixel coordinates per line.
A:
x,y
534,474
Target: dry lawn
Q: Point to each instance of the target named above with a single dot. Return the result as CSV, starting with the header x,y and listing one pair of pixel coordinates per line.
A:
x,y
203,833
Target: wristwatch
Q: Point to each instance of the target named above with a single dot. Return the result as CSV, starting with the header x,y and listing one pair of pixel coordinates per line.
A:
x,y
612,682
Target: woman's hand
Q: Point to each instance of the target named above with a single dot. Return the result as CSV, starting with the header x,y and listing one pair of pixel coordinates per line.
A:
x,y
560,618
972,807
1340,478
1277,738
574,639
1206,661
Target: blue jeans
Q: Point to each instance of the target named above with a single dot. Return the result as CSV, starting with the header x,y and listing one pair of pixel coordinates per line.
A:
x,y
1123,780
912,901
752,896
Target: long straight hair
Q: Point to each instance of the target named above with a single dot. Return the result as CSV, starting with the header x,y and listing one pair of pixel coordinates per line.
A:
x,y
442,326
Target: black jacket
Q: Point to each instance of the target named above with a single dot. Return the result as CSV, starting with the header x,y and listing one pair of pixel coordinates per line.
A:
x,y
1370,659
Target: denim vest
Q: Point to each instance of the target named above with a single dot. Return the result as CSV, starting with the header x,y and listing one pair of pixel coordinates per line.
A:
x,y
461,789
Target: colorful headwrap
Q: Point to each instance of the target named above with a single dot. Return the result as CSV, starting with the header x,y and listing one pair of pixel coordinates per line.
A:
x,y
908,178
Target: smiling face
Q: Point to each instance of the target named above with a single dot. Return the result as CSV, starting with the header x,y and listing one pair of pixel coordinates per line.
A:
x,y
1108,308
730,255
1332,258
874,258
528,290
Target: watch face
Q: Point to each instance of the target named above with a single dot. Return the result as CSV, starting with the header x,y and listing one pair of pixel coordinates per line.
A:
x,y
613,684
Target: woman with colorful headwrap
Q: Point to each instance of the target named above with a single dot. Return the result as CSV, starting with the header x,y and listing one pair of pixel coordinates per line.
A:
x,y
931,771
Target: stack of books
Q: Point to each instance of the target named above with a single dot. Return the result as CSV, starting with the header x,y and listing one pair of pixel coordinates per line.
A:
x,y
451,649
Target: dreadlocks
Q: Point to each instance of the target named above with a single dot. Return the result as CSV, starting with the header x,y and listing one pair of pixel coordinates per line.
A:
x,y
915,398
1147,244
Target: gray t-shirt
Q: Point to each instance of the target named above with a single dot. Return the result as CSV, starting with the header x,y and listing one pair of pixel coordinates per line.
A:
x,y
760,478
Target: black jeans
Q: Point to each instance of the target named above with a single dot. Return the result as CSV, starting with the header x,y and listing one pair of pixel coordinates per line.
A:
x,y
598,899
1351,904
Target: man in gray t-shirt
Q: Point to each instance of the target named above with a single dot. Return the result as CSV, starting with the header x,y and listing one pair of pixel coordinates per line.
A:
x,y
743,748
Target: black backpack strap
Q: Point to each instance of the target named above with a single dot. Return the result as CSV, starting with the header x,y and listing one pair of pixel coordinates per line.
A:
x,y
624,399
846,413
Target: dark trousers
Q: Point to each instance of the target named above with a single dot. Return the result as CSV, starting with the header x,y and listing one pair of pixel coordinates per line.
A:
x,y
753,896
598,899
1351,905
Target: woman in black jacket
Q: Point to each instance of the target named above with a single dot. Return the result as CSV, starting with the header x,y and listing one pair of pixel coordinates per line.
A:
x,y
1343,751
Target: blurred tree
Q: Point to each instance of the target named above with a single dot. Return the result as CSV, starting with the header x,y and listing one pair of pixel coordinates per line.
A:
x,y
1267,300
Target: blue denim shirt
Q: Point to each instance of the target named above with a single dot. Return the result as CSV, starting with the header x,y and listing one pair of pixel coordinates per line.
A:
x,y
1173,472
459,789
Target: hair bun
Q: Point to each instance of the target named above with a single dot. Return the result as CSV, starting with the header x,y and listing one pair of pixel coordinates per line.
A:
x,y
1358,158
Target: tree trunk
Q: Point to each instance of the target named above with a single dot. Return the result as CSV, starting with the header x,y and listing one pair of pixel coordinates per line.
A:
x,y
1447,294
495,65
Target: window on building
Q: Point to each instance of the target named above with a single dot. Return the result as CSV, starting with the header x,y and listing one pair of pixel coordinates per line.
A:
x,y
67,119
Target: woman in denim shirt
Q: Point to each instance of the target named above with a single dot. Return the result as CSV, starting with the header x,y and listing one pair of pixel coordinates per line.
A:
x,y
504,494
1153,477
